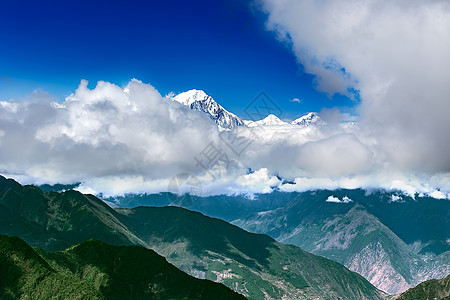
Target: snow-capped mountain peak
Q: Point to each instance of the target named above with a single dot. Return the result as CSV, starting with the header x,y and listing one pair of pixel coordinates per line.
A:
x,y
311,118
189,97
200,101
270,120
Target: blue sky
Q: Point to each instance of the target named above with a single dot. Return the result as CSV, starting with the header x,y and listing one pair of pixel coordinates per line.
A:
x,y
220,46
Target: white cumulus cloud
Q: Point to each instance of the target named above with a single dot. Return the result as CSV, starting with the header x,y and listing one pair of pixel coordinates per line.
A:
x,y
106,131
333,199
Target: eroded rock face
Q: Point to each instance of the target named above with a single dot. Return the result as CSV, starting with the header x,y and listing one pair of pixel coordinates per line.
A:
x,y
374,264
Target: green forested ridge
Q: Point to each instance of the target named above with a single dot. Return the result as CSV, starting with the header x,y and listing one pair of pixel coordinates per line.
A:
x,y
95,270
428,290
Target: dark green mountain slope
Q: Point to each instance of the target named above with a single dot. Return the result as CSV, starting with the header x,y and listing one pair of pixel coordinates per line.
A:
x,y
95,270
428,290
55,221
252,264
25,274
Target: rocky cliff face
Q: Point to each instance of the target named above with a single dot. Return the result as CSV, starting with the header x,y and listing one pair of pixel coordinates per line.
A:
x,y
374,263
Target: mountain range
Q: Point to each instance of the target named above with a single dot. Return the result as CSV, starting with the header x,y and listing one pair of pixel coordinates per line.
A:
x,y
198,100
253,265
393,240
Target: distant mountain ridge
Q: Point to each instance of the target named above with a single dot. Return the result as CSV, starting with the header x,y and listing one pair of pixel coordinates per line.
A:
x,y
251,264
393,240
200,101
270,120
311,118
395,244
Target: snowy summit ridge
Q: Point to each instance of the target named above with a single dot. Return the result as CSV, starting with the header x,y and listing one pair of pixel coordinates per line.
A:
x,y
311,118
270,120
200,101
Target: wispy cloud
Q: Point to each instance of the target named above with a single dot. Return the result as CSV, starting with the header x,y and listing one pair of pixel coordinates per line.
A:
x,y
296,100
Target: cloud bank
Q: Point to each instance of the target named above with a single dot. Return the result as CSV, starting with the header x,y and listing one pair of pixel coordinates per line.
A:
x,y
106,131
394,53
119,140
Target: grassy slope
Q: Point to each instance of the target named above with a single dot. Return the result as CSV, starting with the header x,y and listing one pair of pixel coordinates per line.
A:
x,y
95,270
